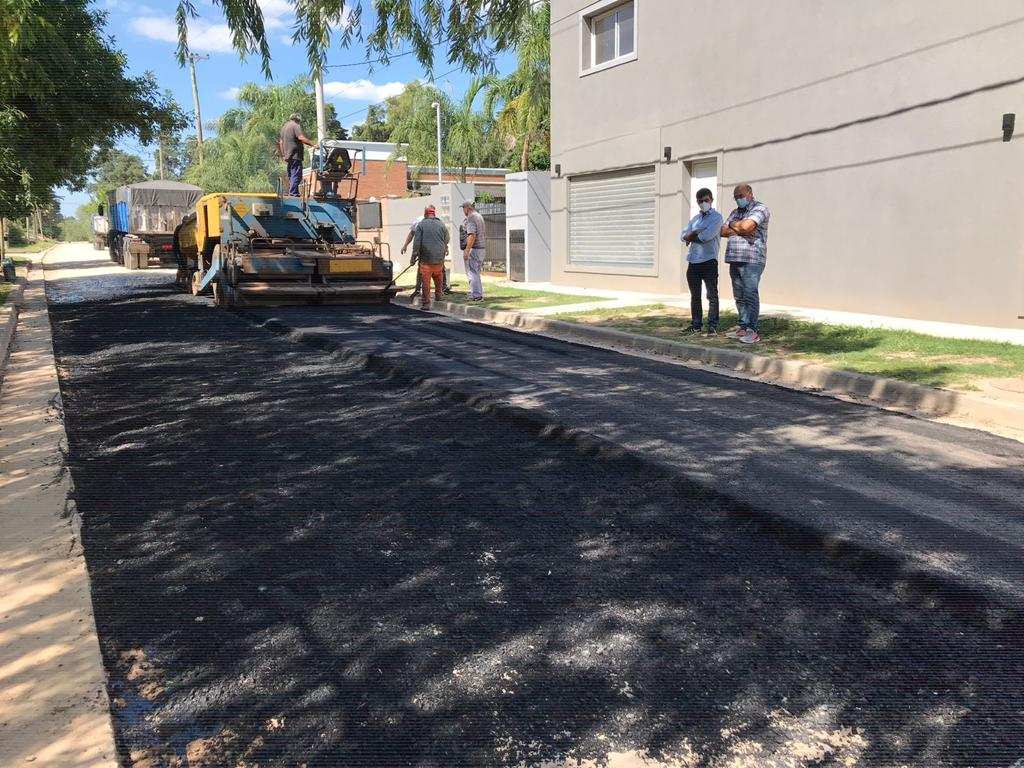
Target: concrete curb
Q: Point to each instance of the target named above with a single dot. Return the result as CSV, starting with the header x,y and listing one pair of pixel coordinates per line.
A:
x,y
9,312
888,393
977,606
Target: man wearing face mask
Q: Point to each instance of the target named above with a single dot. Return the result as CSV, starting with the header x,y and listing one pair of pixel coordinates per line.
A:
x,y
746,251
702,234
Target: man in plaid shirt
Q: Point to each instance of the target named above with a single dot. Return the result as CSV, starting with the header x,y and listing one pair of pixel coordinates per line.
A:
x,y
745,252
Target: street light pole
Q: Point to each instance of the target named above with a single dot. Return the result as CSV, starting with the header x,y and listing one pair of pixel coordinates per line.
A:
x,y
192,59
437,110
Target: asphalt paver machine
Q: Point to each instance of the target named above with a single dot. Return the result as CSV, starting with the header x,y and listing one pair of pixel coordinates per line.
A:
x,y
268,249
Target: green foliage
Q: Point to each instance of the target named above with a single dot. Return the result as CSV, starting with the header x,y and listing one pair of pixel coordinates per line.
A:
x,y
171,146
467,138
65,98
243,156
374,128
79,227
118,168
15,234
520,104
476,30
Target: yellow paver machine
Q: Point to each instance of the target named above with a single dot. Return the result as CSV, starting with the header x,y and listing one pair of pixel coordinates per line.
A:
x,y
260,249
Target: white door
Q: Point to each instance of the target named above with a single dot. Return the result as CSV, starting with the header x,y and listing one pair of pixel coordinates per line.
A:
x,y
703,173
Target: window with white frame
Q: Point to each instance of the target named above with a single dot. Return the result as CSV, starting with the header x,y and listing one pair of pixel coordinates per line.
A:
x,y
607,34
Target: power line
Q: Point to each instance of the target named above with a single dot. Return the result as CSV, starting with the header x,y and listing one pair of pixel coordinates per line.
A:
x,y
382,58
368,61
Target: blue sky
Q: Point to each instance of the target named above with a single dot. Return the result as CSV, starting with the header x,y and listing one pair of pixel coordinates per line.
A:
x,y
147,34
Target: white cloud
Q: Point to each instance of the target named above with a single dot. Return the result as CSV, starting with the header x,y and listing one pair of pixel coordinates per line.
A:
x,y
230,94
276,13
202,35
362,90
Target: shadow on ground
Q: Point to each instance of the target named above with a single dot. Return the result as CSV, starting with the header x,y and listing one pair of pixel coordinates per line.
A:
x,y
296,563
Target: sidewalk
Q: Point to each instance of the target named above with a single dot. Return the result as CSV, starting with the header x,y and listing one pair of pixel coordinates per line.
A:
x,y
828,316
53,699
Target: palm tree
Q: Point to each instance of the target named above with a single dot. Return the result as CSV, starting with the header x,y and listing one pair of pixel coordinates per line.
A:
x,y
523,99
467,130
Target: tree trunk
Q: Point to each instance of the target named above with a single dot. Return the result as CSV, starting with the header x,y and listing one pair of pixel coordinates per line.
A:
x,y
525,159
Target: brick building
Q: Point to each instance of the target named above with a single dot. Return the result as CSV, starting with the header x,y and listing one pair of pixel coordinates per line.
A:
x,y
387,177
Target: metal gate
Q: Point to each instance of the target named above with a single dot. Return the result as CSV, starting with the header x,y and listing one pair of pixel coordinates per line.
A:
x,y
517,255
494,220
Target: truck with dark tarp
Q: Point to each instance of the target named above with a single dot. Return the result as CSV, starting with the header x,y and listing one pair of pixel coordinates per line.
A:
x,y
142,218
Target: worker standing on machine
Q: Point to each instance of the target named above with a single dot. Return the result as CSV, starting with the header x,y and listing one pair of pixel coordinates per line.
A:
x,y
289,146
430,247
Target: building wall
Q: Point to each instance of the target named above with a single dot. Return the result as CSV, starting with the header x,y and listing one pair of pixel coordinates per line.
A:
x,y
872,131
528,207
398,214
383,179
485,182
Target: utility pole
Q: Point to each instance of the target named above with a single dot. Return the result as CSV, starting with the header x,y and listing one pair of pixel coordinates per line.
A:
x,y
192,59
437,113
321,110
160,156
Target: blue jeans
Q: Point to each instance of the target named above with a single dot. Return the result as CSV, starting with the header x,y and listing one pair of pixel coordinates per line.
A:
x,y
294,176
745,280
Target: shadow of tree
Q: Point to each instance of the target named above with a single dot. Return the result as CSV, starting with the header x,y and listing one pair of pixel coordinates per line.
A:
x,y
323,568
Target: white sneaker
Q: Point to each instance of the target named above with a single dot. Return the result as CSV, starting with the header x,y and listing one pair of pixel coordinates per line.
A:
x,y
735,333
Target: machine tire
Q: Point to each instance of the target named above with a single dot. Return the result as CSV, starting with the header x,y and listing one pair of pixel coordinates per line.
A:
x,y
223,296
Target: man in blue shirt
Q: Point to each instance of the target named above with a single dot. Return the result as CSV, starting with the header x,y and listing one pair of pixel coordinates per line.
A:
x,y
702,234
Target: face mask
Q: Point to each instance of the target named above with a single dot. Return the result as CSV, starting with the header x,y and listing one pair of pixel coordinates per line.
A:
x,y
743,202
705,207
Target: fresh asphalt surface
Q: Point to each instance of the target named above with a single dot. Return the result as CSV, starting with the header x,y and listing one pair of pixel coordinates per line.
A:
x,y
947,498
296,562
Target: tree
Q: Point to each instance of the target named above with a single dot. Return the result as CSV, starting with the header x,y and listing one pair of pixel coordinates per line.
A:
x,y
374,128
243,157
79,227
172,149
117,169
466,144
466,135
522,101
475,30
51,130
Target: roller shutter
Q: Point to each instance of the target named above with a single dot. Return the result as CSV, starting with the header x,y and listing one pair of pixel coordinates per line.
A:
x,y
611,219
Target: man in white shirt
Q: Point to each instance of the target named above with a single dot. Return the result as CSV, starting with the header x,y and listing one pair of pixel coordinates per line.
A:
x,y
703,234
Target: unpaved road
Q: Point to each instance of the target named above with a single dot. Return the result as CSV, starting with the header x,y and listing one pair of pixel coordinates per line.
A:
x,y
295,562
